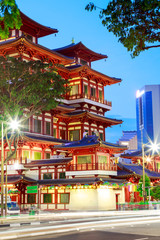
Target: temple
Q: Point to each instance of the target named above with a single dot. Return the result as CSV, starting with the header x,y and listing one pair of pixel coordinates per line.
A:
x,y
62,161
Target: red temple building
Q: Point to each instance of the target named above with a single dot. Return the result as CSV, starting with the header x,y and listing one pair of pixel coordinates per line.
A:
x,y
62,161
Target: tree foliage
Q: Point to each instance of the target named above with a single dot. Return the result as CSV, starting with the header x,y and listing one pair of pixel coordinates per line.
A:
x,y
136,23
156,193
147,185
9,17
27,88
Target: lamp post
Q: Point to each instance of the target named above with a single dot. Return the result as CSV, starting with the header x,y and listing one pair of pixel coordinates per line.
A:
x,y
143,189
13,125
2,170
154,148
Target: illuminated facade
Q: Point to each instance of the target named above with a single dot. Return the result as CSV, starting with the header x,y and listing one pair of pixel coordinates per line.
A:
x,y
62,161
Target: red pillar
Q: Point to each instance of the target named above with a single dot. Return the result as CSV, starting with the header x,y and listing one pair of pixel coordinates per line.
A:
x,y
81,92
51,124
56,197
43,118
55,173
127,196
39,173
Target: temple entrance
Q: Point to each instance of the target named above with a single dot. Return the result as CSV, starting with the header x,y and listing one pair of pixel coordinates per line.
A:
x,y
117,200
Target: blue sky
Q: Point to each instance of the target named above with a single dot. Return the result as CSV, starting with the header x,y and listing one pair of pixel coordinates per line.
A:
x,y
72,21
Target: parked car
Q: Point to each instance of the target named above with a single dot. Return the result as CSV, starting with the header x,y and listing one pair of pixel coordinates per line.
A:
x,y
12,208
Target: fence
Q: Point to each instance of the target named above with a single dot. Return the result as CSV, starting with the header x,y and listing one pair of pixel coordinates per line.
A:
x,y
139,206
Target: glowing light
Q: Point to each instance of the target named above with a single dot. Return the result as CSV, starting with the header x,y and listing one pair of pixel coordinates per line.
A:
x,y
14,124
139,93
154,147
148,159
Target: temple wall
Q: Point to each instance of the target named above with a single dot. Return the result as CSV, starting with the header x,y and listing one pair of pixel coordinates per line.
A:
x,y
95,199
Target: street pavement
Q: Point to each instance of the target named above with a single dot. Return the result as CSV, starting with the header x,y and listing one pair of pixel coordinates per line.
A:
x,y
54,224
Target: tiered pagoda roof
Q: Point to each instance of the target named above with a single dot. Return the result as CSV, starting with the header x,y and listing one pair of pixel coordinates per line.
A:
x,y
49,162
34,28
87,71
91,141
21,45
39,138
85,115
80,50
130,170
138,154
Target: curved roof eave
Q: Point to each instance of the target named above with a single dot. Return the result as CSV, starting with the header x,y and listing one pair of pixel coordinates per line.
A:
x,y
109,80
42,30
23,39
80,46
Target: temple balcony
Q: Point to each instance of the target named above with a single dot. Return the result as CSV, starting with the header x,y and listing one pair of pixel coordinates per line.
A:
x,y
87,98
91,169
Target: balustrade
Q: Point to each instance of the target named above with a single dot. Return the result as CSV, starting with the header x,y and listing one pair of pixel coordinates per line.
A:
x,y
89,166
90,97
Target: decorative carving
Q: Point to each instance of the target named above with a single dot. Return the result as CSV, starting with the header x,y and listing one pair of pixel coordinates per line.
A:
x,y
3,53
32,53
90,76
21,48
83,73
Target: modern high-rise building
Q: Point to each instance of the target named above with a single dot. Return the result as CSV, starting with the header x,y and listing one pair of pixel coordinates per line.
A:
x,y
148,114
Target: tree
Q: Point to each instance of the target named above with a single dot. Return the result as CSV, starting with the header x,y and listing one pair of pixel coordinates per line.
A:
x,y
9,17
27,88
147,185
156,193
136,23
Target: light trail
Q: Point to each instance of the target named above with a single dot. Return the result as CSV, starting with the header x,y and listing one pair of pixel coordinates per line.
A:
x,y
74,227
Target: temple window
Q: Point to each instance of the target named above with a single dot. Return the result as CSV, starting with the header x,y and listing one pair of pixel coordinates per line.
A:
x,y
74,135
29,37
85,89
37,155
47,155
74,90
101,136
102,159
25,154
100,94
47,176
83,62
64,198
84,159
93,92
62,134
47,198
54,133
62,175
37,125
48,128
31,198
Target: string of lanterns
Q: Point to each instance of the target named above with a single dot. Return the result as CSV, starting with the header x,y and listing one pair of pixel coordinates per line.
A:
x,y
88,186
104,185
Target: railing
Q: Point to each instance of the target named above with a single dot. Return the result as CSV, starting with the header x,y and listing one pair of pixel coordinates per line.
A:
x,y
139,206
90,97
89,166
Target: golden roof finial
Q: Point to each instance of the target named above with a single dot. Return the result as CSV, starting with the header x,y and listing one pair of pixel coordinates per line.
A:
x,y
72,40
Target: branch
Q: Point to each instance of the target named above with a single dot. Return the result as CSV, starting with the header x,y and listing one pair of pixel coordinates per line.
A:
x,y
151,47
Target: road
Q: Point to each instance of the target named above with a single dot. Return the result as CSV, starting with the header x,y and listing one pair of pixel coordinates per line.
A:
x,y
110,228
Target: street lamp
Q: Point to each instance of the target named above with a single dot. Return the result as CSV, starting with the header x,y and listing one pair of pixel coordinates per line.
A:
x,y
154,148
14,126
